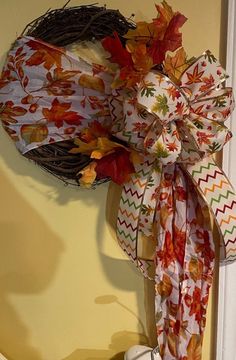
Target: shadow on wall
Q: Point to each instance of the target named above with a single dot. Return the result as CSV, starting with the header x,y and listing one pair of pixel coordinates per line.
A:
x,y
28,264
120,342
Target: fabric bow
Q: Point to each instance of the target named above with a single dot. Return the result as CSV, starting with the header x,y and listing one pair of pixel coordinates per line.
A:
x,y
48,94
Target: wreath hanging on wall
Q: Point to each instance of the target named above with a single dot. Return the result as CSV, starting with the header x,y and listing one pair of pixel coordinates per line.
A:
x,y
91,96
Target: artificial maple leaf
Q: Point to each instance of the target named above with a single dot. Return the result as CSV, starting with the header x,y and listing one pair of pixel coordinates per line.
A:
x,y
143,33
117,166
165,14
58,114
172,39
175,65
118,53
45,54
88,175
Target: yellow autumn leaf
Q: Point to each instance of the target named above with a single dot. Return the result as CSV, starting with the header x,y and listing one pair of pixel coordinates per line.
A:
x,y
195,268
104,147
88,175
83,147
175,65
194,348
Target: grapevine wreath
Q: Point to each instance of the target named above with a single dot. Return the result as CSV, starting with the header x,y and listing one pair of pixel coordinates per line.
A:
x,y
91,96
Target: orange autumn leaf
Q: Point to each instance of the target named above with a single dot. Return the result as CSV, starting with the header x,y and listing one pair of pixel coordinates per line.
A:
x,y
97,148
165,15
104,147
143,33
194,348
88,175
45,54
175,65
58,113
34,133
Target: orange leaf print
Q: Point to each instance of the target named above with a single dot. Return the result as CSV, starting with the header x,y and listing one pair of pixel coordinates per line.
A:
x,y
172,344
8,112
44,54
164,288
167,255
194,349
58,114
195,268
60,82
165,212
195,77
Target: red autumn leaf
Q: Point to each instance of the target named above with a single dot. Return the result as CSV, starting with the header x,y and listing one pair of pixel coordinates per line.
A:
x,y
58,114
171,41
179,244
180,193
44,54
117,166
118,53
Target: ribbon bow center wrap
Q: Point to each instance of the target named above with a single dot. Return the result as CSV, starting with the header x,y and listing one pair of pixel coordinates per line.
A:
x,y
176,128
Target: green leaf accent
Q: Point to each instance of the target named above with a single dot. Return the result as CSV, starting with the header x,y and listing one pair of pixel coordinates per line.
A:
x,y
215,146
150,183
161,105
219,101
146,210
147,89
198,124
142,112
210,57
161,152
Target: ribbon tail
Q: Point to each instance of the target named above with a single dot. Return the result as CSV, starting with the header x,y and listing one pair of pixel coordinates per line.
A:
x,y
184,266
129,213
220,198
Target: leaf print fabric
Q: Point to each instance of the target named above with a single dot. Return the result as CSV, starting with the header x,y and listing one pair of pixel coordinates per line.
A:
x,y
52,95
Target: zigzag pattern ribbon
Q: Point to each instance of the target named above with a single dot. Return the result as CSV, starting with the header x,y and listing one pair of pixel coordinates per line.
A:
x,y
221,199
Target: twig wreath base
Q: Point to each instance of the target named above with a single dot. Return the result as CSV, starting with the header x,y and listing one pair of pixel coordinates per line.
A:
x,y
62,27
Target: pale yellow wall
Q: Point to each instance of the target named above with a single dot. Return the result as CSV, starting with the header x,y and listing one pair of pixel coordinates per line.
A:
x,y
66,290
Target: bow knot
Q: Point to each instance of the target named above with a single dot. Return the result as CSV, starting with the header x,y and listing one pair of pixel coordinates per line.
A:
x,y
180,123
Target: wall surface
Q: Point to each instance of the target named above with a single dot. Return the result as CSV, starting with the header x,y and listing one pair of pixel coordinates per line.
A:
x,y
66,290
